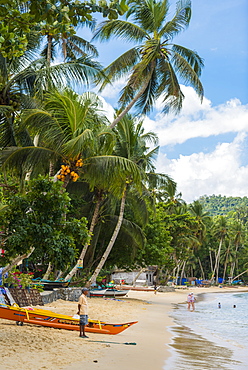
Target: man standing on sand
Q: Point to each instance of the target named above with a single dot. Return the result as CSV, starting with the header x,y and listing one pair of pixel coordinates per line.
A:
x,y
83,312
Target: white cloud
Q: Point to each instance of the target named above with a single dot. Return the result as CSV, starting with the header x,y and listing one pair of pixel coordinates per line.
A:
x,y
112,90
199,120
218,172
108,110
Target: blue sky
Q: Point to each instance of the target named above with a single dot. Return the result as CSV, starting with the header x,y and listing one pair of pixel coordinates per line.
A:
x,y
205,147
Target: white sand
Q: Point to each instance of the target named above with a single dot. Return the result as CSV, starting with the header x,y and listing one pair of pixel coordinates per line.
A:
x,y
31,347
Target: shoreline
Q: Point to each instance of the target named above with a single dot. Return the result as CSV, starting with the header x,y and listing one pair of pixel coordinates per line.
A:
x,y
53,349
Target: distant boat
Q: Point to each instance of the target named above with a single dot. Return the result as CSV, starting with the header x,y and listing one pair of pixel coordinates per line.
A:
x,y
107,293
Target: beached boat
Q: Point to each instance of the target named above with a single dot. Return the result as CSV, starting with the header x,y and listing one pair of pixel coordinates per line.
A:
x,y
51,284
42,317
107,293
137,288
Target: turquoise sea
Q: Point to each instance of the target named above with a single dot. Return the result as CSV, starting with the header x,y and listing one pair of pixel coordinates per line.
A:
x,y
210,337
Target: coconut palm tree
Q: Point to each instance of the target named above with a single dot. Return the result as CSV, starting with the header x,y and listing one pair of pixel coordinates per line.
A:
x,y
220,231
132,143
155,65
73,135
32,76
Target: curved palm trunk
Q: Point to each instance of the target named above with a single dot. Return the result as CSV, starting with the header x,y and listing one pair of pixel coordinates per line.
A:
x,y
182,272
49,49
48,271
16,260
137,275
137,96
242,273
92,280
226,262
84,250
202,271
234,262
215,270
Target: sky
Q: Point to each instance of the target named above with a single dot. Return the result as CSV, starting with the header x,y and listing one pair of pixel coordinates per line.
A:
x,y
204,148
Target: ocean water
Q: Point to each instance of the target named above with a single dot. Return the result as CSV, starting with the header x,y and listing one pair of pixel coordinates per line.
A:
x,y
210,337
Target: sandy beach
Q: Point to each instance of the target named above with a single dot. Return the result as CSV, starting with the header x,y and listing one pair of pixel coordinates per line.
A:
x,y
142,346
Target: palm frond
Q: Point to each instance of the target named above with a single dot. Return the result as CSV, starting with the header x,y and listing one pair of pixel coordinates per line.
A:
x,y
111,172
77,46
194,60
14,158
146,101
179,22
187,72
42,123
133,234
121,66
169,85
119,28
77,145
148,14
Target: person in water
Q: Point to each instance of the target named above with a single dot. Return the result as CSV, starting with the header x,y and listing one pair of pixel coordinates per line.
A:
x,y
191,301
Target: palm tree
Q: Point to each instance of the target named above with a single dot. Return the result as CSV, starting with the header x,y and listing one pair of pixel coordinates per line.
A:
x,y
131,144
73,134
238,236
155,67
220,230
32,76
64,40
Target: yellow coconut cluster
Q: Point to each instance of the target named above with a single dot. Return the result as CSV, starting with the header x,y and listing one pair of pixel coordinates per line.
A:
x,y
65,171
79,163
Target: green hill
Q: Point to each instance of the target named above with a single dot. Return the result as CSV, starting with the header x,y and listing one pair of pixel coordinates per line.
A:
x,y
222,205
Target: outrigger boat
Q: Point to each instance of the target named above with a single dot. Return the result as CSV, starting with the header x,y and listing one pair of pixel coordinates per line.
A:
x,y
42,317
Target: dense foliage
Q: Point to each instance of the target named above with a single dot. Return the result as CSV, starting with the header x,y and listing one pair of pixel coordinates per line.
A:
x,y
222,205
38,219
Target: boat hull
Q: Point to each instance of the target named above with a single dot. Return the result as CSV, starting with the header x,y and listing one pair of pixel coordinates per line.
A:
x,y
51,319
108,293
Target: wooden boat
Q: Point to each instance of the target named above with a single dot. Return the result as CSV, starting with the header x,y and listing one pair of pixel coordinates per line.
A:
x,y
107,293
51,284
41,317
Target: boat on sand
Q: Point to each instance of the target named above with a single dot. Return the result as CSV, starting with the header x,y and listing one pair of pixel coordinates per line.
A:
x,y
113,293
48,318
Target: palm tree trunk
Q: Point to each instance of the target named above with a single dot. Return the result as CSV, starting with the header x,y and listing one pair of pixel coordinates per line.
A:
x,y
211,261
182,272
202,271
239,275
92,280
234,262
16,260
226,262
84,250
49,49
48,271
217,260
137,96
177,271
137,275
